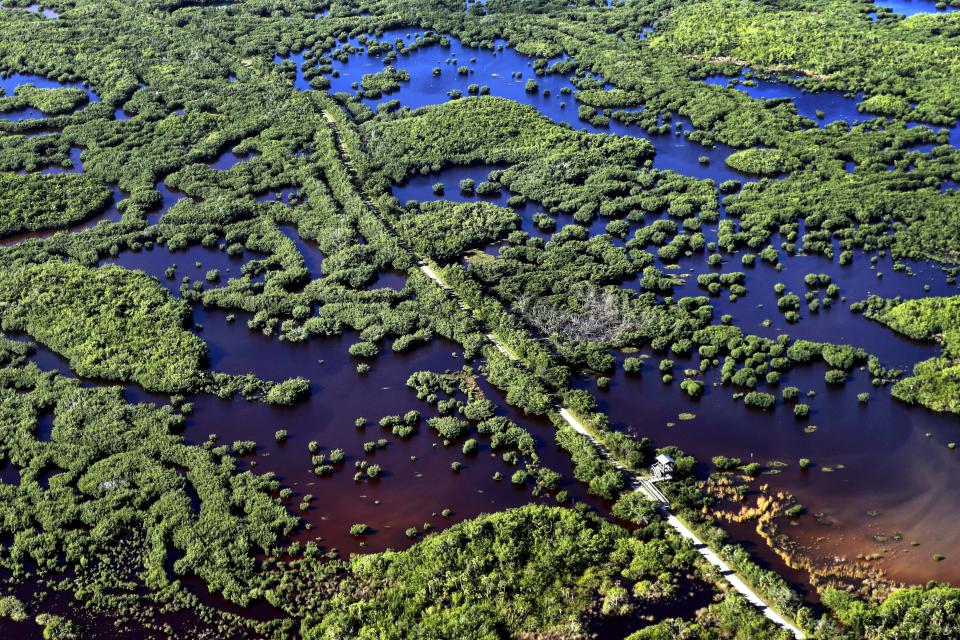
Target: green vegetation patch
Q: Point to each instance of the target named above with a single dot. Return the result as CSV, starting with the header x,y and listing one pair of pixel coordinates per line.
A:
x,y
887,105
915,612
935,383
36,201
49,101
387,81
111,323
528,571
114,478
832,42
759,162
444,230
856,208
565,170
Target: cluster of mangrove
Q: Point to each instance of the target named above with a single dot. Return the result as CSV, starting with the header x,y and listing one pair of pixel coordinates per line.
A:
x,y
197,126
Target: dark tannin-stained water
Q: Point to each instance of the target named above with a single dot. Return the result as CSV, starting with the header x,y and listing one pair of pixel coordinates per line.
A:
x,y
409,492
881,470
417,482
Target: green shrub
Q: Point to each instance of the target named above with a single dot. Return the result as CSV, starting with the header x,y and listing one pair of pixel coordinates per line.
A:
x,y
693,388
448,427
724,463
289,391
759,399
363,350
835,376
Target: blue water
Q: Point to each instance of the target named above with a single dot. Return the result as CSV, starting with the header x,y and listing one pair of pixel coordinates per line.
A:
x,y
833,105
312,258
10,83
913,7
119,113
22,114
953,133
35,8
491,68
168,198
228,158
420,188
75,165
43,11
676,153
298,59
497,70
389,280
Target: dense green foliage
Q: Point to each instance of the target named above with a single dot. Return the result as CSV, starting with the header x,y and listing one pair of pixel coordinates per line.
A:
x,y
532,570
197,82
110,323
833,44
114,477
931,612
445,230
730,618
935,383
494,130
761,162
34,202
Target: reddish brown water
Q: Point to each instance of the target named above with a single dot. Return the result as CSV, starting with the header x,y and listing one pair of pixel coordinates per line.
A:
x,y
409,493
895,477
895,459
413,493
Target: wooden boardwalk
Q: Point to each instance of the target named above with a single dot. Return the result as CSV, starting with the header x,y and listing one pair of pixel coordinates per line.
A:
x,y
649,489
639,483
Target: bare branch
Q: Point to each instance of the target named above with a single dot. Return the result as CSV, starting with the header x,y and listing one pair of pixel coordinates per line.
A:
x,y
602,316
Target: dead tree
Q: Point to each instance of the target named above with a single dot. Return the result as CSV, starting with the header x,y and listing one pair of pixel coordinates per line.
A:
x,y
599,316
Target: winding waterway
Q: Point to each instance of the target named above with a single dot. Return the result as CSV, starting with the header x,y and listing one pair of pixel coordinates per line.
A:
x,y
881,470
